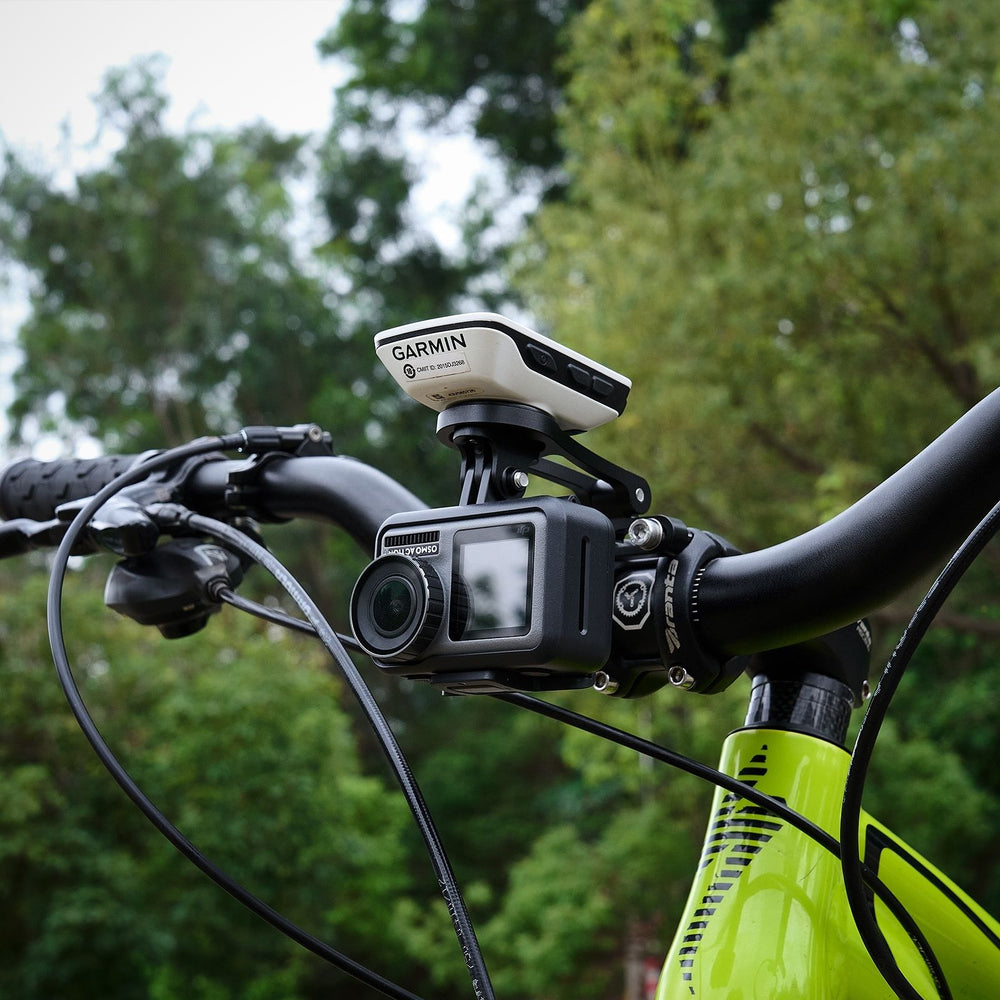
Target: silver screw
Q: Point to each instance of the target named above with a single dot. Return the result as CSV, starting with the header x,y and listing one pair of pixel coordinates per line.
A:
x,y
680,678
604,683
640,494
866,690
520,479
645,533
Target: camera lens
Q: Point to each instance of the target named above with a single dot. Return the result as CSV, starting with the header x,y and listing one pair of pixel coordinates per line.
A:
x,y
392,606
396,608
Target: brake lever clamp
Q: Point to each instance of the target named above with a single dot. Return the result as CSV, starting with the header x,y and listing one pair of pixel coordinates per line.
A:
x,y
298,439
267,445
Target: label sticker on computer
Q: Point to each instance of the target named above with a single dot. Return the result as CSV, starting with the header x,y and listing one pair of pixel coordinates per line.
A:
x,y
441,364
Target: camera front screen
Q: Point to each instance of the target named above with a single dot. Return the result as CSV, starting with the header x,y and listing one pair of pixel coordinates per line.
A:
x,y
491,584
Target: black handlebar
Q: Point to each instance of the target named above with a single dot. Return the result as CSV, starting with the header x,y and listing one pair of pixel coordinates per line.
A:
x,y
330,488
809,585
856,562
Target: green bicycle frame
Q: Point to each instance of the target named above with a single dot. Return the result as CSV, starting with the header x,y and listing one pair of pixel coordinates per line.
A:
x,y
768,919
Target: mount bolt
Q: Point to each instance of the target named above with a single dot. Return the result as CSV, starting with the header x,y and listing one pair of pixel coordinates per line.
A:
x,y
645,533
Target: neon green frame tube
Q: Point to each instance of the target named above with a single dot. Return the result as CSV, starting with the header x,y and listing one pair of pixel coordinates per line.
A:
x,y
767,917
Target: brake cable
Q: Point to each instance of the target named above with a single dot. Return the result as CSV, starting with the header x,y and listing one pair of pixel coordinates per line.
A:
x,y
735,786
462,923
871,724
125,781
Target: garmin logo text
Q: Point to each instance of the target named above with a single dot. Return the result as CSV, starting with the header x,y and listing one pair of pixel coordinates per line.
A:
x,y
670,626
429,347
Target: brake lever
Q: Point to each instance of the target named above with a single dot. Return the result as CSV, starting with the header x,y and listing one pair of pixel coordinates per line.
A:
x,y
121,525
22,535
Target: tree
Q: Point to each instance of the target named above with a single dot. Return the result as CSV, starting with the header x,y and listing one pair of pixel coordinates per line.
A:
x,y
238,738
760,252
170,298
796,269
156,273
729,218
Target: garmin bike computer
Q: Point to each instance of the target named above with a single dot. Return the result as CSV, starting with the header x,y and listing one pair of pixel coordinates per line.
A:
x,y
475,357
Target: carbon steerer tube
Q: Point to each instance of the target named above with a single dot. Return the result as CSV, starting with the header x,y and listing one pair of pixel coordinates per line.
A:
x,y
856,562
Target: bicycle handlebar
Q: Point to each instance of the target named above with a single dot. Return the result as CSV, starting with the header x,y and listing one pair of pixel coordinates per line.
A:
x,y
329,487
800,588
342,490
33,489
856,562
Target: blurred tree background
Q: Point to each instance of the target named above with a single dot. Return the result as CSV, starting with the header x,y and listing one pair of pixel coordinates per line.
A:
x,y
780,218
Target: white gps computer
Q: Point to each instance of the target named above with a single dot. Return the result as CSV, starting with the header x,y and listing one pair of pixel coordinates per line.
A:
x,y
476,357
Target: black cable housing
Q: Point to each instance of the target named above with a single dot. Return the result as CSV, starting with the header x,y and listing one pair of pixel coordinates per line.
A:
x,y
461,921
121,774
878,707
728,783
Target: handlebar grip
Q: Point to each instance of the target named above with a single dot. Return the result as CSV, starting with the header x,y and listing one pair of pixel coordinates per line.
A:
x,y
33,489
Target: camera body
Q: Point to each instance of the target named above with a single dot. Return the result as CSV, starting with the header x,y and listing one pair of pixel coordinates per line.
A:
x,y
492,596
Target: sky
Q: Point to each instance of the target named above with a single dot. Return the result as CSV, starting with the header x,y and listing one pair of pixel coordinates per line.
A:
x,y
230,62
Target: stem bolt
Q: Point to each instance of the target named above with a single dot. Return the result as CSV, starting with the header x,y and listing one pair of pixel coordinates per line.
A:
x,y
680,678
604,683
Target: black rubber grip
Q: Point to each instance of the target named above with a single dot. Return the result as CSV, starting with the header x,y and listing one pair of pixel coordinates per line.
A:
x,y
34,489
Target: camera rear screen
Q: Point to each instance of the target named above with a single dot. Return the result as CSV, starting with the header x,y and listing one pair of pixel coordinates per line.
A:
x,y
491,587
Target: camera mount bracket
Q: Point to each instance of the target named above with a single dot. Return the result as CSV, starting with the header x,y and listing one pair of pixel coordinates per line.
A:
x,y
501,443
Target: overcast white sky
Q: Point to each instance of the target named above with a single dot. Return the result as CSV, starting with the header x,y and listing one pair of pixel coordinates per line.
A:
x,y
231,61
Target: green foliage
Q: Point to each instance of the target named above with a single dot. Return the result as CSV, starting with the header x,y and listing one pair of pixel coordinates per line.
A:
x,y
171,299
809,268
780,220
497,60
556,915
489,68
791,252
155,274
239,740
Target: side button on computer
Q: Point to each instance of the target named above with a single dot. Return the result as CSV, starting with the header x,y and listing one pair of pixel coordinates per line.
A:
x,y
541,357
580,376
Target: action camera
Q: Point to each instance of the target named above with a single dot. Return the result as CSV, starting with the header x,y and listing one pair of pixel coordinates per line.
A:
x,y
463,595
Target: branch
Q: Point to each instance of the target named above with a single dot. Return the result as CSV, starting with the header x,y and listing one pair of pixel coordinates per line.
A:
x,y
795,458
959,377
986,628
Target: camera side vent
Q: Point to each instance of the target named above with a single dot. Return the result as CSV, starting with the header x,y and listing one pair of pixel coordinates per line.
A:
x,y
410,539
